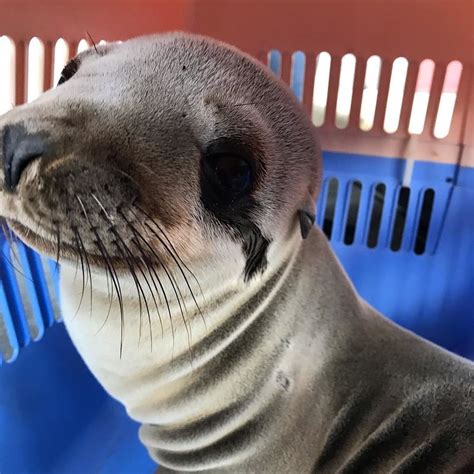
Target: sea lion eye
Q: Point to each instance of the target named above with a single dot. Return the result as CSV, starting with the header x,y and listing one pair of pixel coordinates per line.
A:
x,y
229,174
69,70
233,172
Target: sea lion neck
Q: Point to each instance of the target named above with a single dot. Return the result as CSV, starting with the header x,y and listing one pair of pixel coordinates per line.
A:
x,y
172,329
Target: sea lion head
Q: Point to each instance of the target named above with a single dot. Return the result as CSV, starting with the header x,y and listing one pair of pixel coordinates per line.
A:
x,y
160,149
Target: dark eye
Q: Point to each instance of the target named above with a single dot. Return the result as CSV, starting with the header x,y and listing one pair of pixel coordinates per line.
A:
x,y
233,172
230,175
69,70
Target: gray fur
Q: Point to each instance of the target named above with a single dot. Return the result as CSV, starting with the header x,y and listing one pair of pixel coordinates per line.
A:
x,y
292,372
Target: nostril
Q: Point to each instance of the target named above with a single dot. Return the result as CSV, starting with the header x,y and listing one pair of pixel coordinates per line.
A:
x,y
19,149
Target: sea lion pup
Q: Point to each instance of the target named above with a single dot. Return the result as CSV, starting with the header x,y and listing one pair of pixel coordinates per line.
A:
x,y
179,177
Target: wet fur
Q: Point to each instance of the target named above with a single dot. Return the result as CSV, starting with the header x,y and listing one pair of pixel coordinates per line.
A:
x,y
239,345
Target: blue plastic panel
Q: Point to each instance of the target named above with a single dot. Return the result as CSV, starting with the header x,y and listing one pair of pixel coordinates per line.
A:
x,y
29,296
432,293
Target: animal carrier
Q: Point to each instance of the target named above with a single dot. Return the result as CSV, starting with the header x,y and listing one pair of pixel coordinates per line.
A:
x,y
389,85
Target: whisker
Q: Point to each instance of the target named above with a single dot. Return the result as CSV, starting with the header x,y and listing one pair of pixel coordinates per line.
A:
x,y
152,293
172,247
93,43
76,270
111,269
137,281
115,282
79,252
102,208
150,271
246,103
175,290
140,291
177,263
182,273
9,238
129,177
12,240
58,249
140,294
175,287
165,268
137,237
89,272
117,235
153,276
148,169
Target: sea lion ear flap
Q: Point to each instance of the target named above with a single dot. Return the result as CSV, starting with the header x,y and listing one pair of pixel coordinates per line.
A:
x,y
306,216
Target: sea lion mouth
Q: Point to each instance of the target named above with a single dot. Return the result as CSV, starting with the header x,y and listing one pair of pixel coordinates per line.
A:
x,y
119,240
149,260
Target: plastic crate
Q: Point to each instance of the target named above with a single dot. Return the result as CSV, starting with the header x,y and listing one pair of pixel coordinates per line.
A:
x,y
397,207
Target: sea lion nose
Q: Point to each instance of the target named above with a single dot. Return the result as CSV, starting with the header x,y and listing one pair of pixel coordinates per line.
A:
x,y
19,149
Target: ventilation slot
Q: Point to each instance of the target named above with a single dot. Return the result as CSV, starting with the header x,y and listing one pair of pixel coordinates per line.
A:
x,y
448,99
344,91
82,46
35,69
321,86
395,95
274,62
421,97
369,95
50,271
330,209
61,56
376,215
400,218
7,75
353,212
424,222
27,291
298,61
8,342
